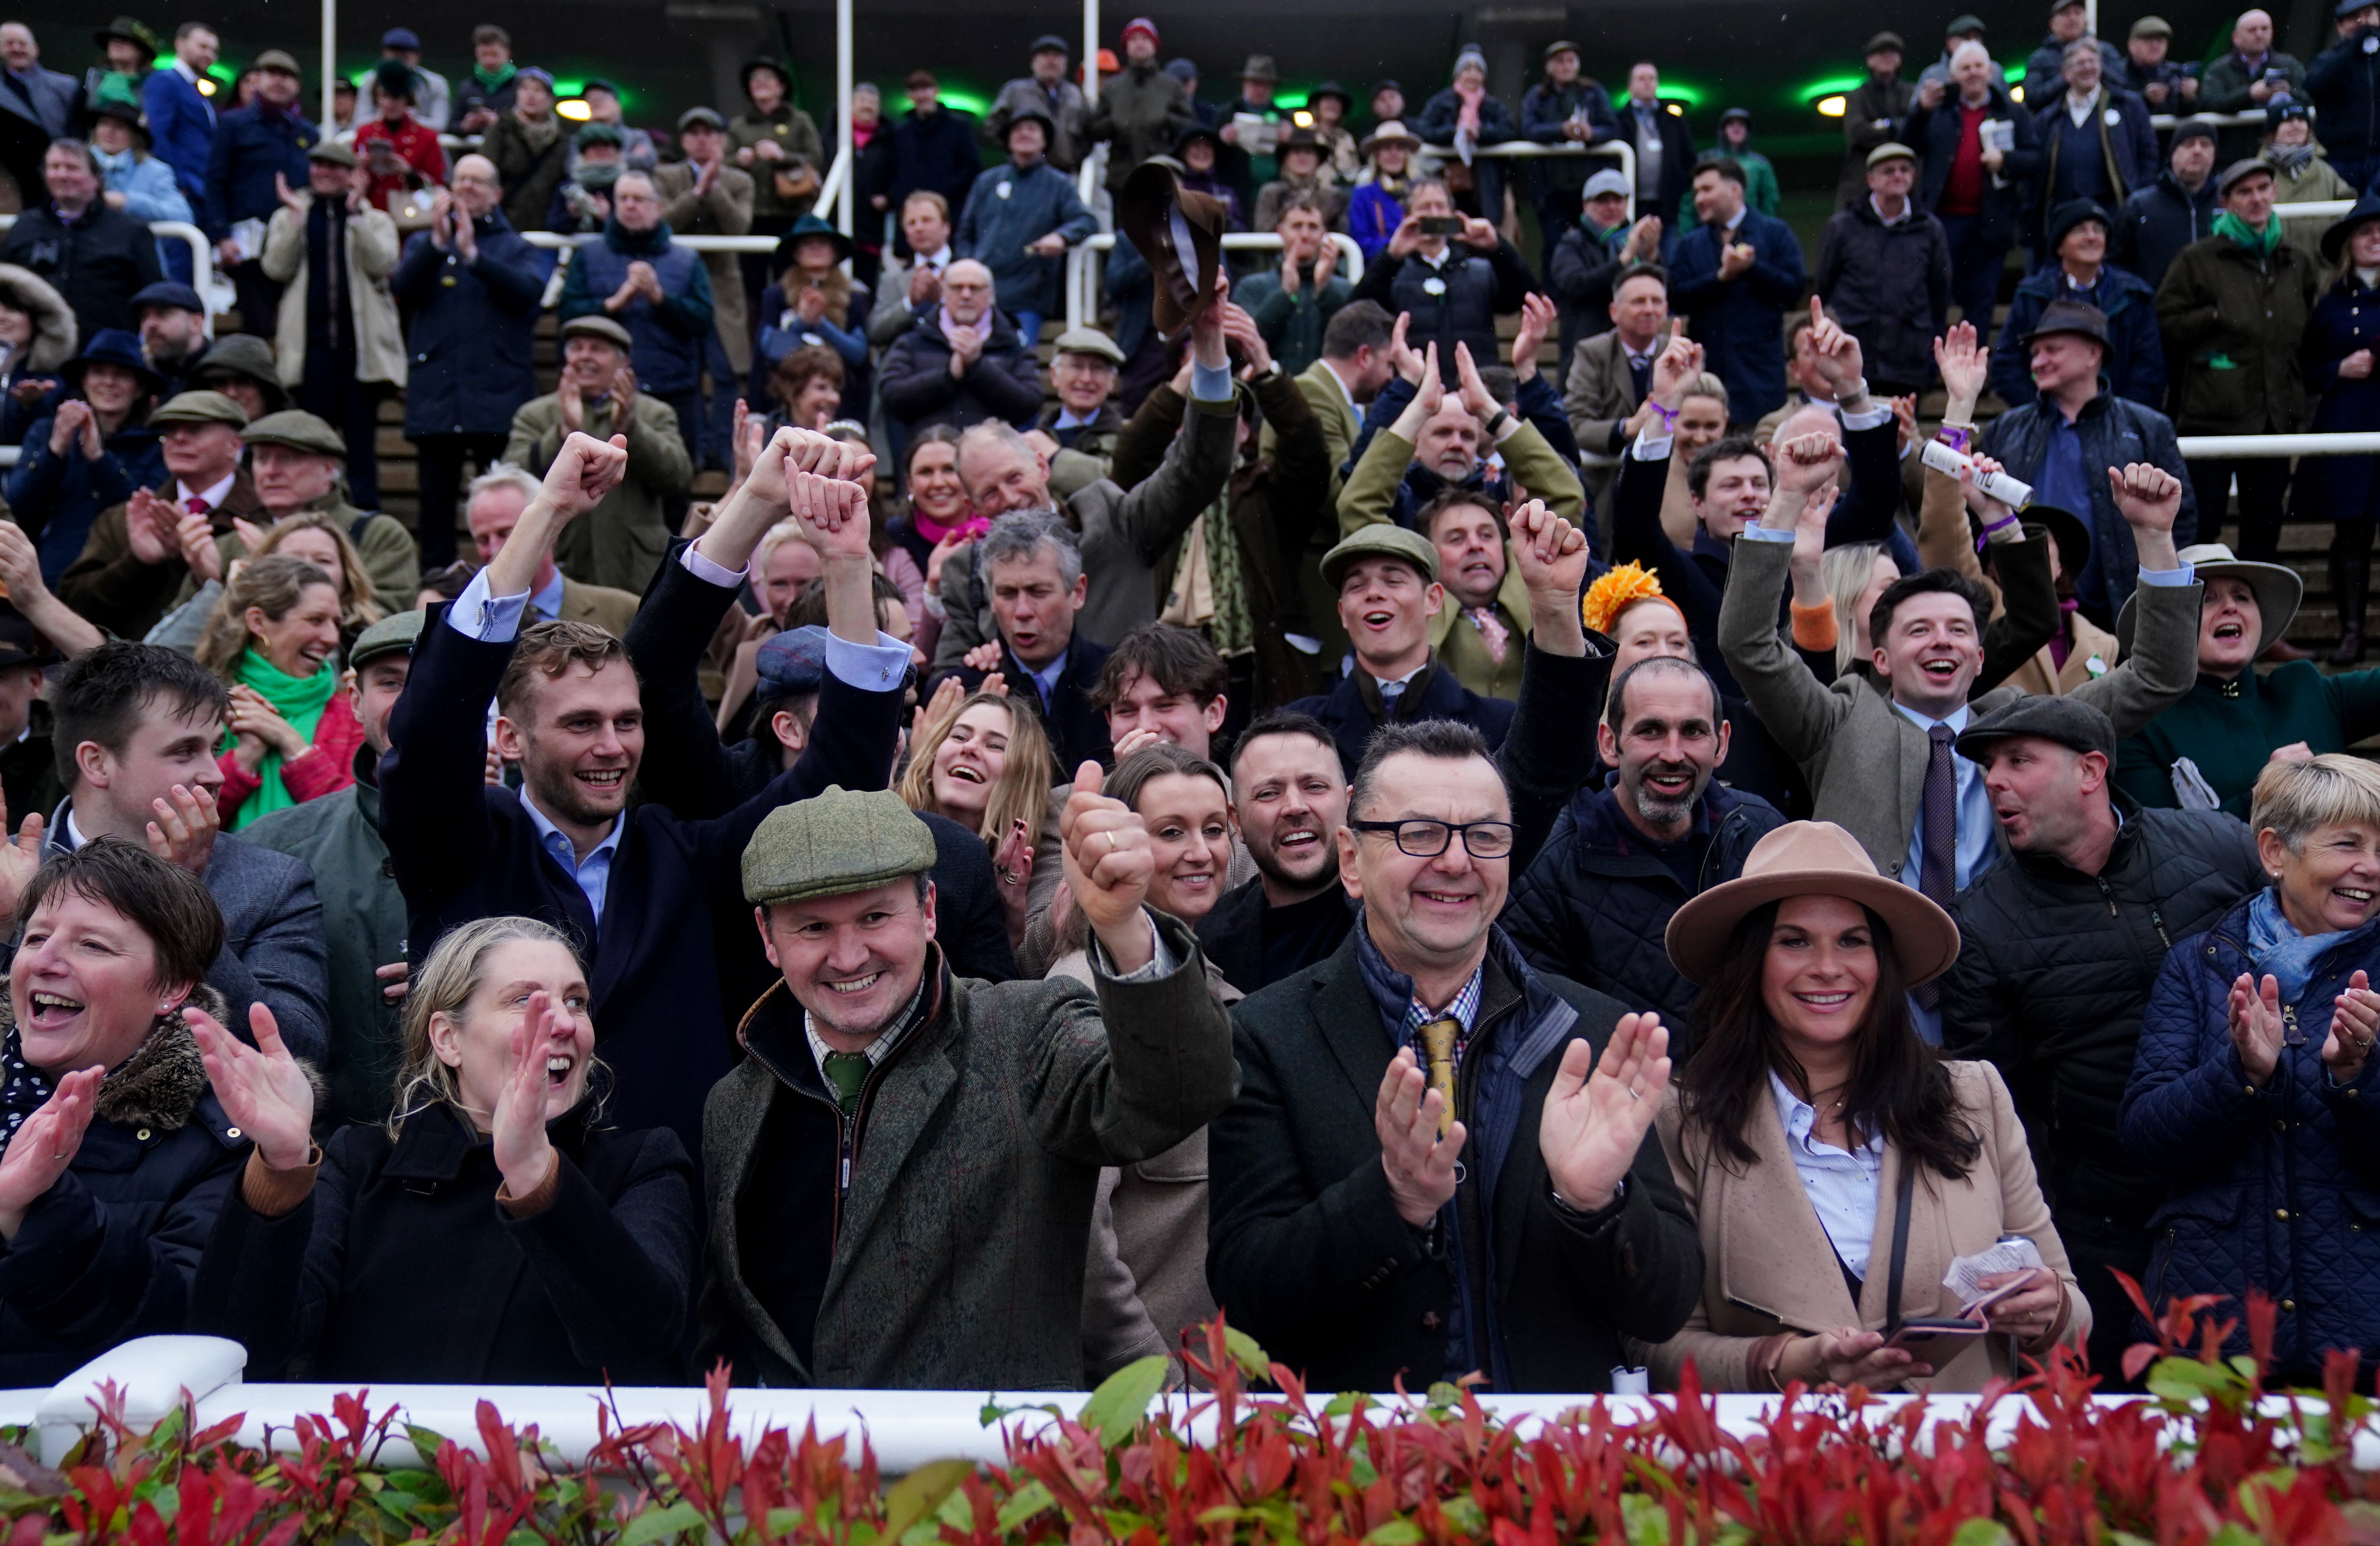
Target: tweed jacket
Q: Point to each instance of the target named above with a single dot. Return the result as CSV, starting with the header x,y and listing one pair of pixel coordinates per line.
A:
x,y
1599,395
620,542
1768,1267
1864,758
958,1254
372,246
1341,421
725,211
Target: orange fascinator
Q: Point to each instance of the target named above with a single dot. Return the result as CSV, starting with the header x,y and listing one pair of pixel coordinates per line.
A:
x,y
1616,591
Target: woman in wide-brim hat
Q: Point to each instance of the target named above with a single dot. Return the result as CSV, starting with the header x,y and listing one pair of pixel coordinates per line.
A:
x,y
1835,1163
2337,354
813,302
1377,207
1330,106
59,486
2207,750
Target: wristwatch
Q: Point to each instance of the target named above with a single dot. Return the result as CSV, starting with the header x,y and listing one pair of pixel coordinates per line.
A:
x,y
1495,425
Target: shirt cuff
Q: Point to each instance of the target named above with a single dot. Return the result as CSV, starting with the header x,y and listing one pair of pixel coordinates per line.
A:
x,y
877,667
490,619
703,569
1161,961
2185,576
1766,534
1210,383
1875,418
1650,447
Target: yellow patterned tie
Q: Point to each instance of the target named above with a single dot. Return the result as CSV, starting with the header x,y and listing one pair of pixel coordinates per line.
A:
x,y
1438,1041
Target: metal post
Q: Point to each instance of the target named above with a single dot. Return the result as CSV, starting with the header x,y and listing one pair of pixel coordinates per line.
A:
x,y
1091,52
330,64
843,148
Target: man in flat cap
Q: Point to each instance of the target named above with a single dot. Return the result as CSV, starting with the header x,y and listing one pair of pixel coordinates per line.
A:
x,y
652,901
1046,90
137,557
903,1168
295,458
364,910
2058,946
257,149
1873,115
621,541
1082,425
707,195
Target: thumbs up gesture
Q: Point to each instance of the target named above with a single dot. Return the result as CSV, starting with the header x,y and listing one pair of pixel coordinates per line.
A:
x,y
1108,869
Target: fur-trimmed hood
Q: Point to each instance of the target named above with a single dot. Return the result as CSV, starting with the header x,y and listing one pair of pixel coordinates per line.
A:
x,y
161,1084
54,334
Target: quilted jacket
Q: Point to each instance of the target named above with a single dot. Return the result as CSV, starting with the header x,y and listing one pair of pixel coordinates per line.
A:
x,y
2054,971
2277,1188
1595,905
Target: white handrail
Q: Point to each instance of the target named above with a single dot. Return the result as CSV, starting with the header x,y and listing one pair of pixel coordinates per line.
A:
x,y
692,244
2344,443
1080,293
2162,121
829,191
202,252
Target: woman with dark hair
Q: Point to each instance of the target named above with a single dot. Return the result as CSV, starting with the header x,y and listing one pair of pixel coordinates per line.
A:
x,y
937,519
1145,1281
273,639
494,1231
806,386
114,1156
1836,1167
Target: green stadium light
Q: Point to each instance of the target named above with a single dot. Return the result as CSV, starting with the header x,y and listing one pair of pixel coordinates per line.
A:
x,y
965,102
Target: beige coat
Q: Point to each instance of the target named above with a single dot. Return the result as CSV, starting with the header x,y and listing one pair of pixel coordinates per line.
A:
x,y
1145,1280
1943,543
371,257
725,211
1769,1269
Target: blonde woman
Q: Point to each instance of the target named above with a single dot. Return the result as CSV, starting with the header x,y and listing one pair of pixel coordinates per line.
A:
x,y
273,639
975,759
493,1232
322,540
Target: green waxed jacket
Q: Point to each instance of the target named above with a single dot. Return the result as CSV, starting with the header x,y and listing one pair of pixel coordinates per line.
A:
x,y
2228,730
620,542
957,1252
363,927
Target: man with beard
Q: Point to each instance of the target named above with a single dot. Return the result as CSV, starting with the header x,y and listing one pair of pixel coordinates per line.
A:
x,y
1291,797
1595,906
2057,949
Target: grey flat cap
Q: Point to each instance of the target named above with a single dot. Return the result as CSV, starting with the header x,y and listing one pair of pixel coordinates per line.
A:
x,y
2068,721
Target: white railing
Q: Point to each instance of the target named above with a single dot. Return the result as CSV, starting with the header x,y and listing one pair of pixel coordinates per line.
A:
x,y
2164,121
2344,445
904,1428
1082,308
202,252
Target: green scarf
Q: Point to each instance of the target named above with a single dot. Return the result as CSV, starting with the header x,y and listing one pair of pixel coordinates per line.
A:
x,y
2261,243
495,82
301,700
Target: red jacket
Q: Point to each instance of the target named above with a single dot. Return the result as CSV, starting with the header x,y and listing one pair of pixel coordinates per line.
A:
x,y
416,145
328,768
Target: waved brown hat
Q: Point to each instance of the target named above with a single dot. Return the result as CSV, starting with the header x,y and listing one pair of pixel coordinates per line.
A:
x,y
1180,233
1805,858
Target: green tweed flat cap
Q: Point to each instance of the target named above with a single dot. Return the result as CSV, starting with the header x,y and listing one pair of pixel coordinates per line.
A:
x,y
1089,341
390,635
1382,540
840,841
200,407
297,429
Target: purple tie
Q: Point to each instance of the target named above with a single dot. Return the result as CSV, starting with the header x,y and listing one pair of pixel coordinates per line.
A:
x,y
1937,824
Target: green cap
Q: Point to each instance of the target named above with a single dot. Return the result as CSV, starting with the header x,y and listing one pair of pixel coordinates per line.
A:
x,y
841,841
390,635
1089,341
297,430
1383,539
200,407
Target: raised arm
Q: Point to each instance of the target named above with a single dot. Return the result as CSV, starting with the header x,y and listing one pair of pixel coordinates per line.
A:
x,y
1798,713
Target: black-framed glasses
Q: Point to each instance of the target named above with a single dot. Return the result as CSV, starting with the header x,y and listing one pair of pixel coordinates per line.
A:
x,y
1427,839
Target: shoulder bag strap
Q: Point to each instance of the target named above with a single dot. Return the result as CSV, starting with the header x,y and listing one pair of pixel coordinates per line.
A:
x,y
1899,1245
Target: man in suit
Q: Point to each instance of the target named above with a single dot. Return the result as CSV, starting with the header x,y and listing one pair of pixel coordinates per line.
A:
x,y
1290,795
257,149
1357,361
136,728
181,119
653,903
1732,277
1357,1230
43,98
1611,373
497,499
1033,574
1664,145
1877,748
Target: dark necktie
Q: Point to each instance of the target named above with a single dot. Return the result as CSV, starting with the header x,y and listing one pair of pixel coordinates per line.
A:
x,y
1640,375
847,1071
1937,824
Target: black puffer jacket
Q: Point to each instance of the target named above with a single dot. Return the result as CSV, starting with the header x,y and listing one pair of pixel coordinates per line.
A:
x,y
2054,971
1595,905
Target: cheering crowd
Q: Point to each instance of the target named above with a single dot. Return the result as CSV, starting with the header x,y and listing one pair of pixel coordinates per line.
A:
x,y
1277,806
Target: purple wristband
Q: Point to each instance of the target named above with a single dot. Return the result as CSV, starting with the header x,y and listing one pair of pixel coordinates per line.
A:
x,y
1669,418
1957,440
1983,539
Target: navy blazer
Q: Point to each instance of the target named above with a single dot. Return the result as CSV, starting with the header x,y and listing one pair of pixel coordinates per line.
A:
x,y
183,122
675,961
473,333
1436,695
1077,729
250,147
1740,322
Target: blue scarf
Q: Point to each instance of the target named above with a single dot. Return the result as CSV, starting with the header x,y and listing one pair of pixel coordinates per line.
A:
x,y
2275,949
